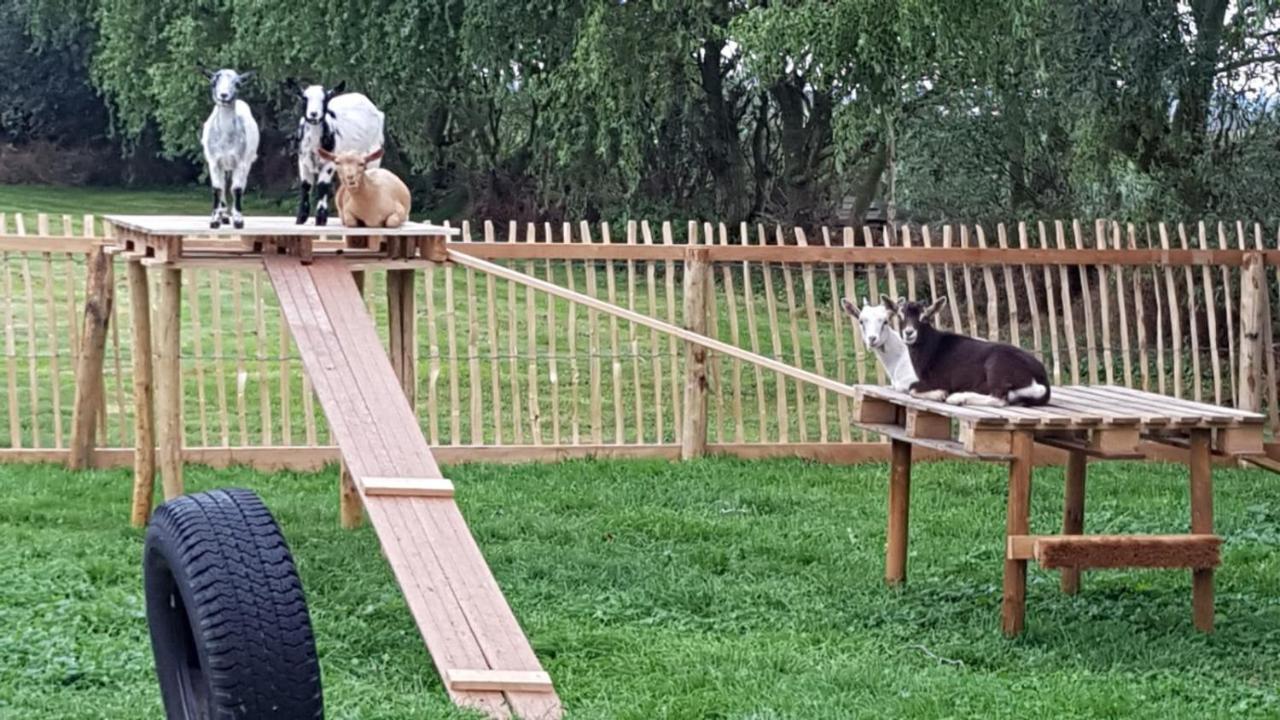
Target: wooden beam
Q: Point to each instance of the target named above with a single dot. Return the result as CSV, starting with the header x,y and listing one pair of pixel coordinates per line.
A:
x,y
697,277
99,296
144,459
1253,290
1017,522
408,487
501,680
168,394
1073,512
1201,524
924,424
895,561
646,321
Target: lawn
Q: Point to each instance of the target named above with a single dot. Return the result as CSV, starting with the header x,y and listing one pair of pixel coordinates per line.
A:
x,y
713,589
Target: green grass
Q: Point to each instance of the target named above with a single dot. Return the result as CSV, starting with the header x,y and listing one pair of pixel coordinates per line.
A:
x,y
714,589
79,201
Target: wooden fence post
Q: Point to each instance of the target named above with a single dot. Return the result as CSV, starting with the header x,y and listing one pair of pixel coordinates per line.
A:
x,y
1254,312
403,326
99,296
144,446
350,509
168,391
697,276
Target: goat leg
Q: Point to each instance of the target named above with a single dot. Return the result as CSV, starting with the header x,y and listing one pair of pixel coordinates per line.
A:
x,y
304,203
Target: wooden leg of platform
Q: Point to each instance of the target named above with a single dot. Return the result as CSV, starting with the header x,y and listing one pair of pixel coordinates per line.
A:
x,y
1201,523
144,446
895,556
168,321
1073,513
402,324
350,509
1013,609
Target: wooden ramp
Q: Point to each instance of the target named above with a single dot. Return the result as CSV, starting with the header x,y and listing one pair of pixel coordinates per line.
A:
x,y
474,639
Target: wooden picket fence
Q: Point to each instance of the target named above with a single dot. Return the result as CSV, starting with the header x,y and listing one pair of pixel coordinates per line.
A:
x,y
508,373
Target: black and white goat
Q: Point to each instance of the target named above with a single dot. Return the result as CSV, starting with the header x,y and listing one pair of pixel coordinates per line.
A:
x,y
338,122
965,370
230,141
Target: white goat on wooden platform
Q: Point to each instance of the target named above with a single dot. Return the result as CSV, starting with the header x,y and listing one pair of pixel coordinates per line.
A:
x,y
230,141
879,335
334,122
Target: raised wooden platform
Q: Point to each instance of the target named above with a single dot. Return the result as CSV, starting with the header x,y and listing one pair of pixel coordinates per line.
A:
x,y
473,637
1102,422
188,241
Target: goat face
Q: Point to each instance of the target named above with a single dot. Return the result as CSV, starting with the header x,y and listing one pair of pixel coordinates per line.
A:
x,y
872,318
317,100
916,318
351,166
224,84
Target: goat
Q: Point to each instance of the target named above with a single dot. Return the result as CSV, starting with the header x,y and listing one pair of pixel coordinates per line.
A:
x,y
883,339
230,142
368,197
335,122
966,370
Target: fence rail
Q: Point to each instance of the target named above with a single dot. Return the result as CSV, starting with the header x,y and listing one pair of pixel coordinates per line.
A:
x,y
500,366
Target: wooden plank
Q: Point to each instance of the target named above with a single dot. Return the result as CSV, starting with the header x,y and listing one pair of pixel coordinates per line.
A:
x,y
731,300
513,355
1139,305
1068,314
1104,297
1053,312
475,382
575,378
1211,312
1073,552
451,332
838,322
405,487
1087,292
1011,296
1212,413
633,340
33,386
1229,304
851,292
659,388
264,387
529,681
802,417
90,381
197,339
921,424
782,406
671,330
1191,293
1175,319
593,339
1201,524
810,303
615,352
531,343
54,340
1013,606
993,294
974,415
241,374
495,365
1268,341
219,369
715,374
933,280
435,367
1118,273
10,350
144,459
986,442
670,281
911,269
970,300
950,448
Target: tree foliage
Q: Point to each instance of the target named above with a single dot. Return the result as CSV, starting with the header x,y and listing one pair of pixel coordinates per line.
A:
x,y
738,109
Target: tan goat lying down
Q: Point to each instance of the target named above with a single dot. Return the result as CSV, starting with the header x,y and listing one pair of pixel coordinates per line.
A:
x,y
368,197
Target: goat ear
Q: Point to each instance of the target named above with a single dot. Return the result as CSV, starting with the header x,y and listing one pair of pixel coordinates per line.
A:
x,y
337,89
902,304
246,76
934,308
375,155
849,306
206,72
325,154
888,303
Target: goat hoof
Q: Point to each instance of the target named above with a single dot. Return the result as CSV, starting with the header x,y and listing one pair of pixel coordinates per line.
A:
x,y
226,220
215,223
238,224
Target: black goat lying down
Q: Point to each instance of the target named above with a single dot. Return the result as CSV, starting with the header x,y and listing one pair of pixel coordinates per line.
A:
x,y
965,370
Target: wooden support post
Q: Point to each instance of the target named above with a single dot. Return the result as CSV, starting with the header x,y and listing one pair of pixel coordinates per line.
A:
x,y
350,509
1018,522
168,321
99,296
1201,524
1253,318
895,556
697,276
403,326
1073,512
144,455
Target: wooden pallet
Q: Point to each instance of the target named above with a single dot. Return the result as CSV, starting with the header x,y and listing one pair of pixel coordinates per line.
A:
x,y
1100,421
1116,551
186,241
473,636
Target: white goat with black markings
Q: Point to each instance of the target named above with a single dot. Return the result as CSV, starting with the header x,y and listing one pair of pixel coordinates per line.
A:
x,y
230,142
876,322
338,123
